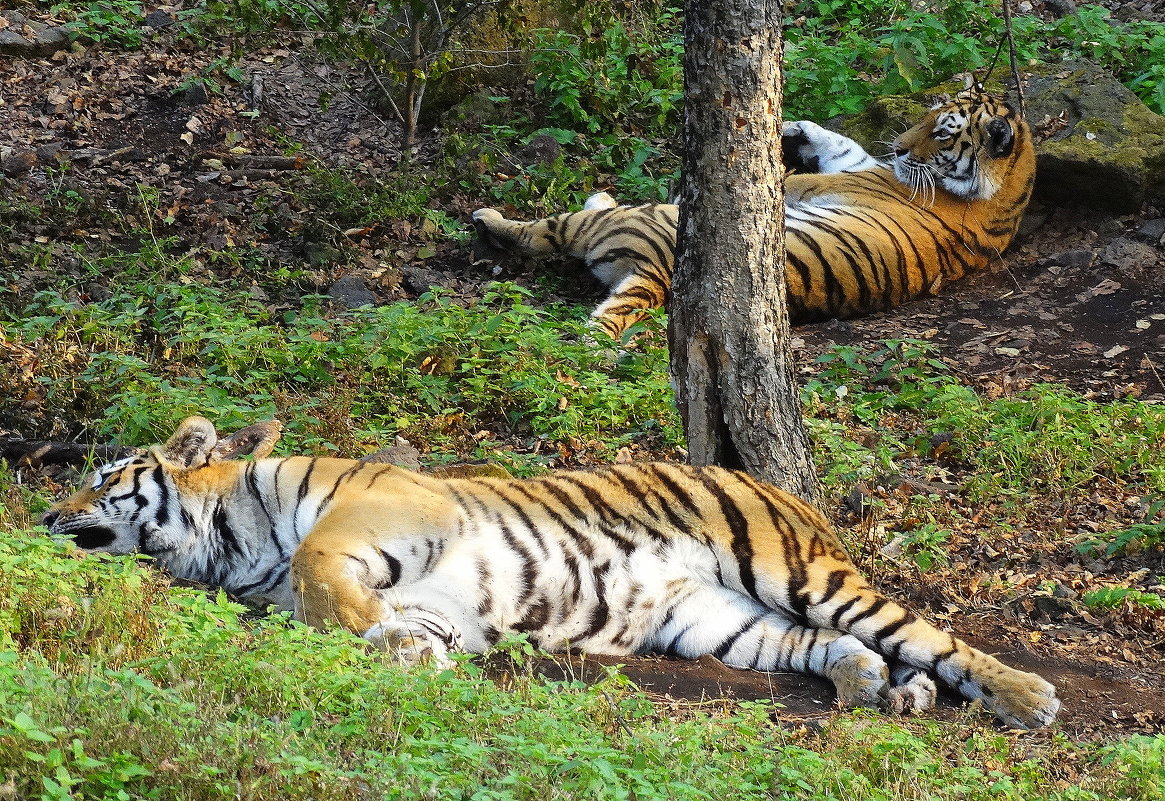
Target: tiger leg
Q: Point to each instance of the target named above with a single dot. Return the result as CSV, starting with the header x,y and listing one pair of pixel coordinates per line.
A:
x,y
631,299
743,633
352,582
807,147
416,634
563,234
331,584
1019,699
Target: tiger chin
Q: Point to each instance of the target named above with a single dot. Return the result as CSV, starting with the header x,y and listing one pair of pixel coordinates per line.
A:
x,y
861,235
631,559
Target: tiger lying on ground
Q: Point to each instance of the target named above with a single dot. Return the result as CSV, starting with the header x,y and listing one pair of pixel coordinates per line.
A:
x,y
860,236
629,559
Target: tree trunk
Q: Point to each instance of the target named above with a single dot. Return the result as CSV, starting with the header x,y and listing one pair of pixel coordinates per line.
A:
x,y
729,328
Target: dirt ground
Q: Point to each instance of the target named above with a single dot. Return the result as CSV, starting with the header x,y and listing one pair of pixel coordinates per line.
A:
x,y
1080,299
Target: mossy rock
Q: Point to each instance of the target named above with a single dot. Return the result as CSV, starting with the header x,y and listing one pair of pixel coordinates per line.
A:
x,y
1103,148
1110,152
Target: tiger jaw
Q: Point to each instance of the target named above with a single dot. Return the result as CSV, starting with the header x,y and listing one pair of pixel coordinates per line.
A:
x,y
922,177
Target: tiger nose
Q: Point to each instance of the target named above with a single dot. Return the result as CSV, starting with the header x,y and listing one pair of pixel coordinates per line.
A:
x,y
48,518
900,151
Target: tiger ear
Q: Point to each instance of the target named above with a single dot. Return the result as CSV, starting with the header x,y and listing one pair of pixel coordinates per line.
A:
x,y
1000,138
190,445
256,440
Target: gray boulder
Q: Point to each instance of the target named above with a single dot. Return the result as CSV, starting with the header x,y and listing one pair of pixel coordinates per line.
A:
x,y
1098,145
28,38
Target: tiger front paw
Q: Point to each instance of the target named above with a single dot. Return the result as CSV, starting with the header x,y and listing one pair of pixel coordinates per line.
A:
x,y
911,690
411,645
1023,701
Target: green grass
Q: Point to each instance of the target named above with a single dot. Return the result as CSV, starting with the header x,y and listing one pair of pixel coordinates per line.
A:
x,y
116,686
1045,441
435,371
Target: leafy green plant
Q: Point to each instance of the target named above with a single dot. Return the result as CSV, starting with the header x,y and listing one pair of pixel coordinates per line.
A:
x,y
924,545
1135,538
114,685
114,22
609,77
437,371
1112,597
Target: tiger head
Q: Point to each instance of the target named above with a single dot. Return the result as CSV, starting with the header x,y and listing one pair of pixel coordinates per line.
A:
x,y
968,146
133,504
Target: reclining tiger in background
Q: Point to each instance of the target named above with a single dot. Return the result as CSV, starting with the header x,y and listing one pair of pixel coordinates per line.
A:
x,y
629,559
861,236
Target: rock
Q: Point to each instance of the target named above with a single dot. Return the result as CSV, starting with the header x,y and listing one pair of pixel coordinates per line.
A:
x,y
1060,8
402,454
1152,232
1108,152
1053,607
48,154
470,470
1073,258
543,149
351,292
16,161
1128,255
1111,153
417,279
158,19
31,39
477,110
195,94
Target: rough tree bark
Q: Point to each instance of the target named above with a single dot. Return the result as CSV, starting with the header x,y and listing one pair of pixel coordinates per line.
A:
x,y
728,325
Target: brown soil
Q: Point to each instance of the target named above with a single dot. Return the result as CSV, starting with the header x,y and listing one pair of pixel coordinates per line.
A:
x,y
1079,299
1098,702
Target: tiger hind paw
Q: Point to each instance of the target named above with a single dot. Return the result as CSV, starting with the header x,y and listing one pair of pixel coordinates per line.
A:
x,y
861,680
911,690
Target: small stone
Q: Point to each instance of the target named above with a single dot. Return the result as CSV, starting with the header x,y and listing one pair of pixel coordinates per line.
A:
x,y
1054,607
44,40
158,19
1152,232
195,95
351,292
16,161
402,454
1073,258
51,153
1060,8
418,279
543,149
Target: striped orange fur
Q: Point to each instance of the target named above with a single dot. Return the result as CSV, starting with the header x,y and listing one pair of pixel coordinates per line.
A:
x,y
629,559
861,236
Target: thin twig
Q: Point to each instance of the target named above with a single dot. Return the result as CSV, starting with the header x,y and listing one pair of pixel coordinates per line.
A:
x,y
1012,55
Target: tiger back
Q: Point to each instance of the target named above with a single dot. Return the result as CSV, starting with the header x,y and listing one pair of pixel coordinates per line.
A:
x,y
860,236
637,558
